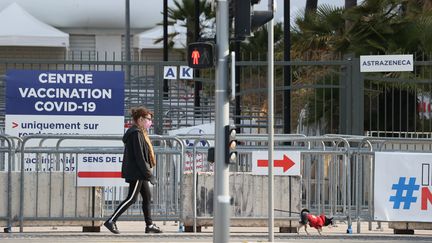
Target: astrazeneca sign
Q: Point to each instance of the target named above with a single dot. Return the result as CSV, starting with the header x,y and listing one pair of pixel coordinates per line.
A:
x,y
386,63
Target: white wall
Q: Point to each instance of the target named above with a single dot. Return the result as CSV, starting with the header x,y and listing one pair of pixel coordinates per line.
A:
x,y
111,45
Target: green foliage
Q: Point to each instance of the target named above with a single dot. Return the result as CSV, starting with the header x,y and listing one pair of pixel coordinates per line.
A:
x,y
257,44
320,31
183,12
373,27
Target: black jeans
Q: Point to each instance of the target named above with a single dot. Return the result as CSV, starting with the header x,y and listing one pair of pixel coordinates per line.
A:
x,y
135,187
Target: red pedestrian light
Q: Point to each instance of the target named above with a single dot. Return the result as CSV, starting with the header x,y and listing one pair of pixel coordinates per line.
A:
x,y
200,55
195,56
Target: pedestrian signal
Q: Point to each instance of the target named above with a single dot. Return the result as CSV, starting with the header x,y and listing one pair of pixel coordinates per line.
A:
x,y
200,55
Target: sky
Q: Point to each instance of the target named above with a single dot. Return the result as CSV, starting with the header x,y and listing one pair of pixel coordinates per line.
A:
x,y
144,13
296,6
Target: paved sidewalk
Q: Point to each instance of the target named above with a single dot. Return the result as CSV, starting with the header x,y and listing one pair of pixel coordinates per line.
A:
x,y
134,232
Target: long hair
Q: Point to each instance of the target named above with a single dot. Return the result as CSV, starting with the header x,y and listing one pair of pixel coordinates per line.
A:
x,y
141,111
136,113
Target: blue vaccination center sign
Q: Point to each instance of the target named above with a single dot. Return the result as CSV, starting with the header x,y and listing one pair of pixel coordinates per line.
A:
x,y
87,93
64,102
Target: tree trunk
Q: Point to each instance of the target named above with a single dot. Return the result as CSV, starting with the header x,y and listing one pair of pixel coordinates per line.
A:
x,y
311,6
350,3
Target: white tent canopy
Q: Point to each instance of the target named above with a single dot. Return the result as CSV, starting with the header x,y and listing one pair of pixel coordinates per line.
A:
x,y
146,39
93,14
19,28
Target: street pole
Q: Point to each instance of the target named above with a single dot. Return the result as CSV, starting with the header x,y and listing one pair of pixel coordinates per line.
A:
x,y
165,44
287,71
237,111
287,84
127,41
270,112
221,222
198,84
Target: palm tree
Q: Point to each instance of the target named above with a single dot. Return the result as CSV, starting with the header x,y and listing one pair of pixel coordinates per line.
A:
x,y
318,32
386,26
183,13
376,27
349,4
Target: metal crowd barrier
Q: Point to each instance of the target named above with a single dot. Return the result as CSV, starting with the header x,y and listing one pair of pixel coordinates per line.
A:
x,y
7,156
325,173
47,166
315,196
336,175
337,172
363,158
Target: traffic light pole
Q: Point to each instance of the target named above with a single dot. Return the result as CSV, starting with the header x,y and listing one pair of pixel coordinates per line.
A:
x,y
270,114
221,221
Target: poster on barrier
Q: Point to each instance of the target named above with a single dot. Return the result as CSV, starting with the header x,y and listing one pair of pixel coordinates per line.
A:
x,y
49,162
100,170
201,163
403,187
285,163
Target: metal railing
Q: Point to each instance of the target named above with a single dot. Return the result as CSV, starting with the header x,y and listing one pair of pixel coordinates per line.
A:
x,y
7,152
47,166
337,174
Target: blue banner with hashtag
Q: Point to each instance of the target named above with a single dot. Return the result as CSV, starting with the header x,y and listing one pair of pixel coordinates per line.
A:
x,y
401,189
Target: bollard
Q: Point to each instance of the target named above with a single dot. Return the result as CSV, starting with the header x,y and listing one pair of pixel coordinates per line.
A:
x,y
181,227
349,230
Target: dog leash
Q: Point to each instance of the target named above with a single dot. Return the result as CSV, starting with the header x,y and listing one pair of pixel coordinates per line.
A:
x,y
285,211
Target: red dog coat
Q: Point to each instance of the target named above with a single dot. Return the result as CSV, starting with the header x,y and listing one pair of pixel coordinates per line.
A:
x,y
316,221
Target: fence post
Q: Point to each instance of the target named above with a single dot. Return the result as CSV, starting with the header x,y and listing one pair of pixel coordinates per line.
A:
x,y
344,97
357,96
158,99
351,97
11,157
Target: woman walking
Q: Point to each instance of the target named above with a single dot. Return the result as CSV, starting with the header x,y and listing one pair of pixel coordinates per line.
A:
x,y
138,162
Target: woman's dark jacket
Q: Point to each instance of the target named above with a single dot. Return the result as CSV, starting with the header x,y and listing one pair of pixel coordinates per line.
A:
x,y
136,159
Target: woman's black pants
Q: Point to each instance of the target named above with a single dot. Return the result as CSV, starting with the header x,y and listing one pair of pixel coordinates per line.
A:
x,y
135,187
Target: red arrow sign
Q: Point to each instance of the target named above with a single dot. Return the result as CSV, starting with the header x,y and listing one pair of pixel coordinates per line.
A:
x,y
14,124
285,163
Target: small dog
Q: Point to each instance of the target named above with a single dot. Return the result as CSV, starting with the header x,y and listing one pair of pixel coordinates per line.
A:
x,y
316,222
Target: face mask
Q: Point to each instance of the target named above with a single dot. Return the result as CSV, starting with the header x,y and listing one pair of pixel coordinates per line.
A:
x,y
147,123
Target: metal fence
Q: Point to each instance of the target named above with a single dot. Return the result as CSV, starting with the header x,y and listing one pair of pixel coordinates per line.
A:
x,y
7,159
173,109
337,174
324,95
45,173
